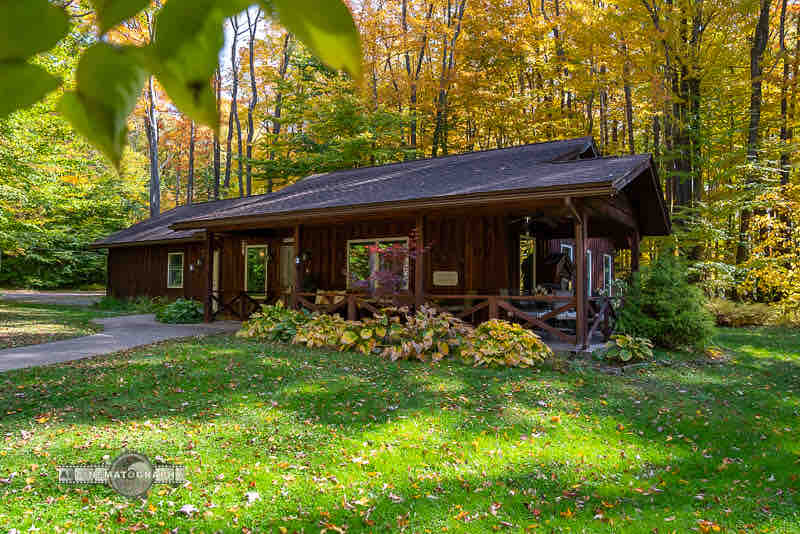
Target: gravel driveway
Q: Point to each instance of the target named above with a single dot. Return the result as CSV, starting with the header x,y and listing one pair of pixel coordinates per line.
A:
x,y
120,333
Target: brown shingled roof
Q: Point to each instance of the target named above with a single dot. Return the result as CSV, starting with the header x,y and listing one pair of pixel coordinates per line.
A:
x,y
551,165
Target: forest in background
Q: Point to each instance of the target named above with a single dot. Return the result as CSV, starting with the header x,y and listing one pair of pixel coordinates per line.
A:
x,y
709,87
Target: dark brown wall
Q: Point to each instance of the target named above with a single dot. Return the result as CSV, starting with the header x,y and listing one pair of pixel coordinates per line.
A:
x,y
142,271
478,248
482,249
328,247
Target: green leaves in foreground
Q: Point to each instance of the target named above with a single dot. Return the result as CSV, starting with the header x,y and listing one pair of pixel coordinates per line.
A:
x,y
110,80
15,74
326,27
190,36
26,29
183,57
112,12
185,54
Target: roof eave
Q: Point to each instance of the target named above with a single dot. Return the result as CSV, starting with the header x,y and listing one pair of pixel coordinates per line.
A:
x,y
179,241
603,188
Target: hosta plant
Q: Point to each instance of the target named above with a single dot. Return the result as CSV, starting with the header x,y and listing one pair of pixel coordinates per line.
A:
x,y
323,330
427,335
501,343
370,334
624,348
274,323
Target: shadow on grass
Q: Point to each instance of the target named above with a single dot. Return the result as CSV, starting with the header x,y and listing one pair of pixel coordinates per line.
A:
x,y
713,437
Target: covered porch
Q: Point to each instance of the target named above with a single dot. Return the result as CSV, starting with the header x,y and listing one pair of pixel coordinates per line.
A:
x,y
467,262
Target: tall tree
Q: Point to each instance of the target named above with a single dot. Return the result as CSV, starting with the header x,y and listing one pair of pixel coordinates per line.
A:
x,y
190,174
413,70
151,129
283,68
757,48
454,16
252,30
216,147
233,114
785,131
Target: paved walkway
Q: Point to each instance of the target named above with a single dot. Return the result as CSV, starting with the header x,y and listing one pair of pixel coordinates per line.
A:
x,y
67,298
120,333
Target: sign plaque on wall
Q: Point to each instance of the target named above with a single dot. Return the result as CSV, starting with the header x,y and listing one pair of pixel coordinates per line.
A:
x,y
445,278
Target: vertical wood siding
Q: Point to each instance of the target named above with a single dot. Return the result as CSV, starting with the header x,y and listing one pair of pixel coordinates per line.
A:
x,y
483,250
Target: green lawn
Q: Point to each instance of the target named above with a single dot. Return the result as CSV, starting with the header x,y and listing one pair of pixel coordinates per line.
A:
x,y
31,324
329,442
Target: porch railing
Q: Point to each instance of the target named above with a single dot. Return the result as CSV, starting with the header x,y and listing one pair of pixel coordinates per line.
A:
x,y
511,307
238,304
538,312
350,303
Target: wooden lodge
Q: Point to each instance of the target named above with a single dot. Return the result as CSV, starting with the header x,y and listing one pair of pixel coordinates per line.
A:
x,y
527,233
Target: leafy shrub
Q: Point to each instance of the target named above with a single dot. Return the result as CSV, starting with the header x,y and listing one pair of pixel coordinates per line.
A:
x,y
738,314
506,344
182,311
788,313
370,334
274,323
623,348
661,305
138,305
427,335
321,330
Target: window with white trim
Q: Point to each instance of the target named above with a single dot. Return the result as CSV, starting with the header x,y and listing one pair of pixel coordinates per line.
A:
x,y
255,270
175,270
608,272
369,259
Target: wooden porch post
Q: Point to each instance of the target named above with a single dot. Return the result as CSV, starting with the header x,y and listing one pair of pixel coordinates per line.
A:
x,y
298,266
635,251
419,264
580,280
208,312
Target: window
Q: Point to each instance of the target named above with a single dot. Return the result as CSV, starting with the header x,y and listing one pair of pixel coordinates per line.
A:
x,y
372,263
255,270
568,250
608,272
589,272
175,270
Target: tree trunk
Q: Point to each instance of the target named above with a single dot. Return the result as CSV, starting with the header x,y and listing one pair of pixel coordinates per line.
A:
x,y
656,138
628,101
276,115
448,64
759,44
785,135
240,155
252,28
413,73
233,114
217,167
151,129
190,176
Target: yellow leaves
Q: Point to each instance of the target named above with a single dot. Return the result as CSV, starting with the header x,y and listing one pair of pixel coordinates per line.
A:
x,y
567,514
555,419
42,419
708,526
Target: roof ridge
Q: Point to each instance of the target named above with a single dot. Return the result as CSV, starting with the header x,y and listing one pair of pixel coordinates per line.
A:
x,y
440,158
